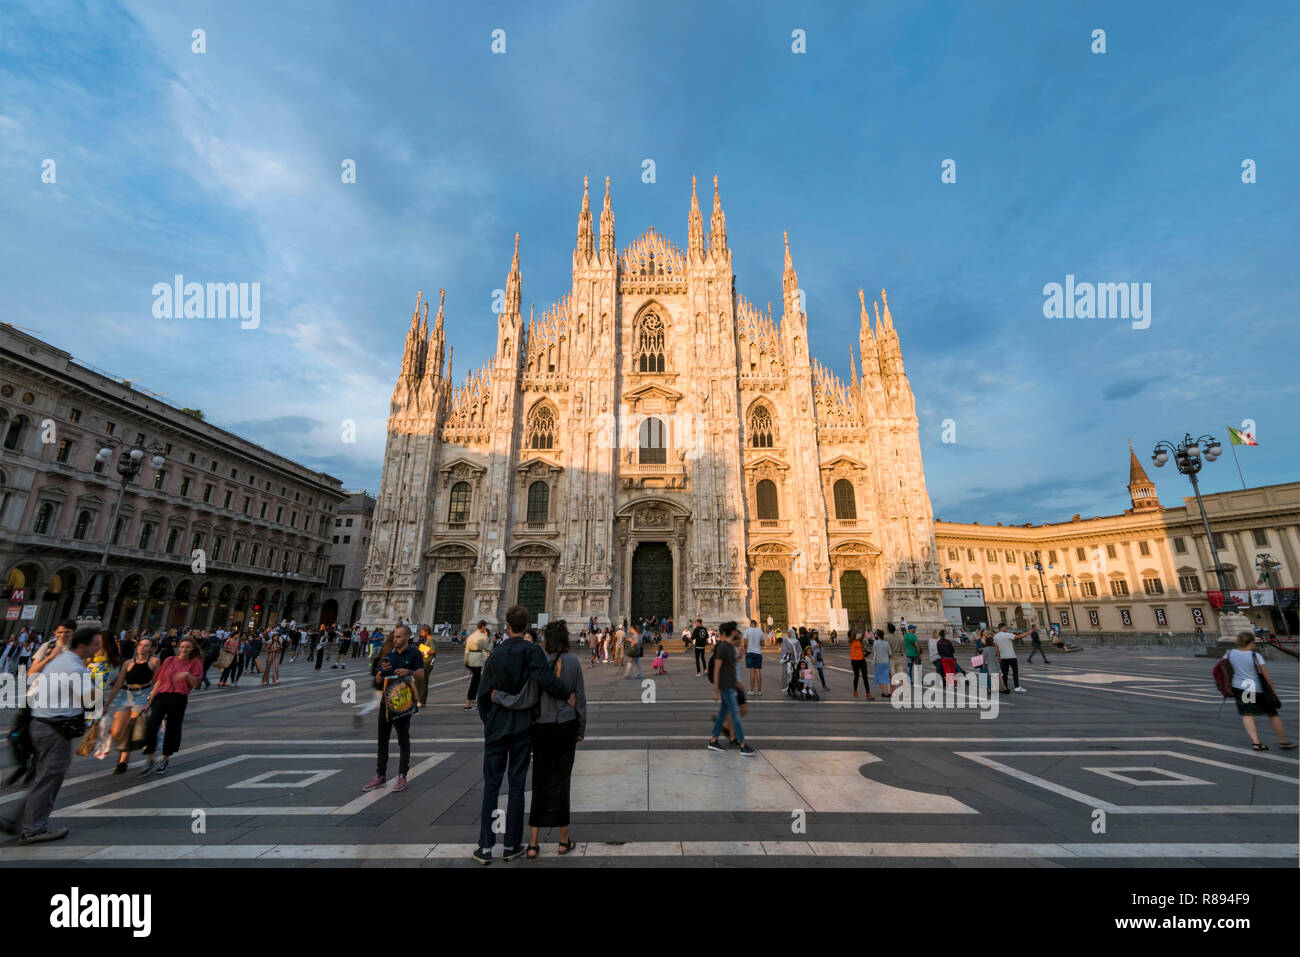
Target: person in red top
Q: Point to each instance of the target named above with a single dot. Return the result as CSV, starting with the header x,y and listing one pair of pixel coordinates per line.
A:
x,y
858,659
172,683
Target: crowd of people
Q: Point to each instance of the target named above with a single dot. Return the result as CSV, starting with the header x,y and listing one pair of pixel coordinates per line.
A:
x,y
526,685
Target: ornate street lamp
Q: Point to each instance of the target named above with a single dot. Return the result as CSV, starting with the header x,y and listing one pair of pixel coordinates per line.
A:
x,y
1069,590
130,463
1036,564
1187,455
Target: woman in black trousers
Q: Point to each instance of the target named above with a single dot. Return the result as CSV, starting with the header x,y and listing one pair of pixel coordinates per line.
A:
x,y
557,730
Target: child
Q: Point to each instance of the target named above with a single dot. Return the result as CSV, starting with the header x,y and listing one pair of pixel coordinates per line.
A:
x,y
661,657
807,687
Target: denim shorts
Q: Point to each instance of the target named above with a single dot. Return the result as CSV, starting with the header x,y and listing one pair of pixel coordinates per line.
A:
x,y
753,660
134,700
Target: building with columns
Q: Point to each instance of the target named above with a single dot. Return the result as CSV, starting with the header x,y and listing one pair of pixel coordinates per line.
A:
x,y
1148,569
653,445
261,521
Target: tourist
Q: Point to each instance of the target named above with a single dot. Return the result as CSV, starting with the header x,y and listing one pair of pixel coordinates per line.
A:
x,y
725,686
948,666
1004,641
858,662
477,648
633,652
557,729
791,655
661,661
1253,689
880,655
815,656
403,661
700,639
933,647
754,657
508,732
55,723
913,652
273,647
233,665
129,699
255,655
1037,646
172,683
618,644
344,641
428,647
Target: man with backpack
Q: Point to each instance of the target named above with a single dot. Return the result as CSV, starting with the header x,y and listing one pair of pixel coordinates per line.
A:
x,y
700,638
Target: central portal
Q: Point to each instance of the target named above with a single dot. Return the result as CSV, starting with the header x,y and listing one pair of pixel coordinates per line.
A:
x,y
652,581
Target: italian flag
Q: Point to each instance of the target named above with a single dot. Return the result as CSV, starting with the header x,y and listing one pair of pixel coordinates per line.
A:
x,y
1242,438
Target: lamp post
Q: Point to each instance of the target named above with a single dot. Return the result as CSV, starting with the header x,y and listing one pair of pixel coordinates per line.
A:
x,y
1188,457
1069,590
130,462
1265,563
1036,564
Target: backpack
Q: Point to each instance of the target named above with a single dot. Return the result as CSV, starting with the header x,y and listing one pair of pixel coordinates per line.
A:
x,y
1223,676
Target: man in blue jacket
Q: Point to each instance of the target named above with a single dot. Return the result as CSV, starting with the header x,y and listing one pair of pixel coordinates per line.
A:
x,y
508,733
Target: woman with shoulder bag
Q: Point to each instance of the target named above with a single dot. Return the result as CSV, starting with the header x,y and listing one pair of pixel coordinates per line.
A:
x,y
1254,691
130,698
175,679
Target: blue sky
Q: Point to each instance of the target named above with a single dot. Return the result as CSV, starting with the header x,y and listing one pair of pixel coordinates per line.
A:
x,y
1122,166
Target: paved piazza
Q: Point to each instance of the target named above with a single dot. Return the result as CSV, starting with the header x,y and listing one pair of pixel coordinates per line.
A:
x,y
1136,738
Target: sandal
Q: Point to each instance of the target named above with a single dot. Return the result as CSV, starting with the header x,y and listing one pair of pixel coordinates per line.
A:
x,y
1288,746
566,846
532,851
1260,747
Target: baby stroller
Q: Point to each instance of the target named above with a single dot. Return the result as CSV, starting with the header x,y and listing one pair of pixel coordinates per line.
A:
x,y
807,684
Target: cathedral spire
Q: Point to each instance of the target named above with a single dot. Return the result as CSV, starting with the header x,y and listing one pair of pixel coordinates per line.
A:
x,y
514,284
410,353
695,246
437,339
790,283
607,252
718,225
586,247
866,341
853,369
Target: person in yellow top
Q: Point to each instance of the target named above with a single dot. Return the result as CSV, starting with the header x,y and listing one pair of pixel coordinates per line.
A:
x,y
429,652
477,647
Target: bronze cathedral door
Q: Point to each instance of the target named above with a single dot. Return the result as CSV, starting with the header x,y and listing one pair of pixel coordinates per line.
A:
x,y
652,581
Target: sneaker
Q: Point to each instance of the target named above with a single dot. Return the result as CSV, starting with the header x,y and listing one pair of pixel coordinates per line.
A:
x,y
482,856
161,769
1022,690
376,782
716,746
747,751
514,854
400,783
40,837
148,768
119,768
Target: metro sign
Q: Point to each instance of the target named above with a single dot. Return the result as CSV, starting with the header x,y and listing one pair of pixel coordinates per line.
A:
x,y
18,594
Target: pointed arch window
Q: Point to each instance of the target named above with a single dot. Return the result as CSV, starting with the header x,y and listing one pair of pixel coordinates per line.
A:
x,y
762,431
650,339
541,431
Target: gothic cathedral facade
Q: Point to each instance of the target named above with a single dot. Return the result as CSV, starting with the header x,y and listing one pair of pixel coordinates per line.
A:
x,y
654,445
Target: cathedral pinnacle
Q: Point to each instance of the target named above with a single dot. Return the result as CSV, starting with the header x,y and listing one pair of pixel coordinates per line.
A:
x,y
607,251
514,284
586,247
790,282
695,245
718,225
